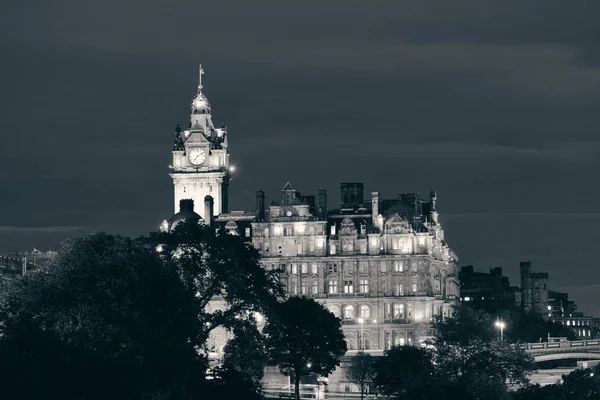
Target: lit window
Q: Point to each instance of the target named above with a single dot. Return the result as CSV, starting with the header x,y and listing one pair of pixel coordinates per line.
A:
x,y
289,231
332,230
398,266
320,243
294,269
398,311
247,232
314,288
348,312
333,249
294,286
363,285
399,288
348,286
304,287
365,311
314,269
304,269
333,286
549,308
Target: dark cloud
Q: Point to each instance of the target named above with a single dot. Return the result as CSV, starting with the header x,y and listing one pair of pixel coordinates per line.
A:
x,y
494,104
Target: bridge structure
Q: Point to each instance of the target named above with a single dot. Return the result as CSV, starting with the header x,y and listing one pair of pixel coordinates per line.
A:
x,y
578,349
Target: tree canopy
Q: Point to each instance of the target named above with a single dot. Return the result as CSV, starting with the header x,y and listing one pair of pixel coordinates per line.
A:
x,y
116,317
361,371
303,337
469,353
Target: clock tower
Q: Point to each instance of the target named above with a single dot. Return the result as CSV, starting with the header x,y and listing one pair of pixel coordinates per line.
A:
x,y
200,165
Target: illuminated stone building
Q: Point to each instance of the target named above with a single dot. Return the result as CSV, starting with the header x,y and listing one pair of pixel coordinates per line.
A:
x,y
381,265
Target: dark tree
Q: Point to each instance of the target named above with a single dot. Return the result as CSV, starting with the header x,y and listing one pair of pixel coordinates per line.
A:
x,y
106,319
361,371
221,265
582,384
406,372
245,355
470,354
537,392
304,338
112,317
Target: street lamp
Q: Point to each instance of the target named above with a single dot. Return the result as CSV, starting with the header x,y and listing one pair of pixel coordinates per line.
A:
x,y
361,321
362,324
500,325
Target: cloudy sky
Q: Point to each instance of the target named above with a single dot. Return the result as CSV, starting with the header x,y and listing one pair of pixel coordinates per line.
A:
x,y
492,103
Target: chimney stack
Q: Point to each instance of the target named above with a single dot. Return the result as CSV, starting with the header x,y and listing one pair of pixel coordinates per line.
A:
x,y
208,210
322,205
186,205
260,205
374,205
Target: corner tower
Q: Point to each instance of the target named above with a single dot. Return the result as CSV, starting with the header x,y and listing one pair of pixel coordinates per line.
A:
x,y
200,164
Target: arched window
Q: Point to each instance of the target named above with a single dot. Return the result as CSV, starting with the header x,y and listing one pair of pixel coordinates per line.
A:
x,y
335,310
365,311
348,312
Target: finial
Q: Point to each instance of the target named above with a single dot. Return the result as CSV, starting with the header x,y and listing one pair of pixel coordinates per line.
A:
x,y
200,73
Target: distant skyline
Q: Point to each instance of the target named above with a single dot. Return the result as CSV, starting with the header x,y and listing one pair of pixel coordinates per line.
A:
x,y
494,105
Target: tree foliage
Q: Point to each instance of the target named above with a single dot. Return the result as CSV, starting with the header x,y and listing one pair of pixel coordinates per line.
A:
x,y
405,372
465,360
361,371
245,355
304,338
580,384
112,317
106,318
468,349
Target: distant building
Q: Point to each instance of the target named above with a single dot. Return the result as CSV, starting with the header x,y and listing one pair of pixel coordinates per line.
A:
x,y
488,291
559,305
381,265
19,263
534,289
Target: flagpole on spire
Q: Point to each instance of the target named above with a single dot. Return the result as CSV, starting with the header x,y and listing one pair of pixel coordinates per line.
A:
x,y
200,73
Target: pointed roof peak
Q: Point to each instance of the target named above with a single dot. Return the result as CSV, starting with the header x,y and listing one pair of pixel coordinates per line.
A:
x,y
200,73
288,186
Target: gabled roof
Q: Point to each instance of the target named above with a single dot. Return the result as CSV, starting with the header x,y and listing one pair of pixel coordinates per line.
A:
x,y
288,186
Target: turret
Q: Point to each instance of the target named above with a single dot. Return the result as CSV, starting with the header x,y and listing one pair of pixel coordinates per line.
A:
x,y
260,205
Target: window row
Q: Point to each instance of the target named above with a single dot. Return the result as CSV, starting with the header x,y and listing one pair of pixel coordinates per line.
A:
x,y
363,267
352,312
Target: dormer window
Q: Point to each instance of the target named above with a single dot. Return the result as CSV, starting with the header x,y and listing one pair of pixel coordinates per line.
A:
x,y
332,230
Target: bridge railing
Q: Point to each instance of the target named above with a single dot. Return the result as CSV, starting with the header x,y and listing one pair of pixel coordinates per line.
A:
x,y
559,345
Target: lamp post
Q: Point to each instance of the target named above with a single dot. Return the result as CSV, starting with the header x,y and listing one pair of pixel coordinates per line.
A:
x,y
362,324
500,325
361,321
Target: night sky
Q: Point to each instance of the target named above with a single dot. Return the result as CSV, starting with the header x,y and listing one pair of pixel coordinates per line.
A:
x,y
492,103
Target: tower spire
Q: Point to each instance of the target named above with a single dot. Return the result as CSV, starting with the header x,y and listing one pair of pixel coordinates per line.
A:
x,y
200,73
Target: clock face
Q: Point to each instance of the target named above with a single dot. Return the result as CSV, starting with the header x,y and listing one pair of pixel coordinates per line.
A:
x,y
197,156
